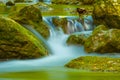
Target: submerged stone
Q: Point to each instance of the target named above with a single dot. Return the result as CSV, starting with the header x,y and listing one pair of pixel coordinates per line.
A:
x,y
95,64
31,15
18,43
103,40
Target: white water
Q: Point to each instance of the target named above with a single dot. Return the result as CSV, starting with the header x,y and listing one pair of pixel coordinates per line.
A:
x,y
61,55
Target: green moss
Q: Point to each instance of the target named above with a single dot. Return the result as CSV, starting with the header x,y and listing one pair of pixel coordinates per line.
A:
x,y
60,22
76,39
31,15
93,63
103,40
18,43
107,13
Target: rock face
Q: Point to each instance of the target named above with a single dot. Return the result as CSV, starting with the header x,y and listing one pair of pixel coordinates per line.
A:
x,y
96,64
107,13
18,43
103,40
77,39
60,22
88,2
70,2
31,15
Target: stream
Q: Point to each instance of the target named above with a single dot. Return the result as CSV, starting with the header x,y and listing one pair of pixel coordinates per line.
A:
x,y
52,66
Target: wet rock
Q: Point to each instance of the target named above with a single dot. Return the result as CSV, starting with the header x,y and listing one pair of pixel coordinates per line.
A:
x,y
88,2
19,1
18,43
31,15
103,40
95,64
70,2
60,22
107,13
44,7
78,38
10,3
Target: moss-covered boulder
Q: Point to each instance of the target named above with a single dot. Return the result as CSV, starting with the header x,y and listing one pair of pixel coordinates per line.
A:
x,y
77,39
31,15
107,13
96,64
68,2
18,43
103,40
60,22
88,2
19,1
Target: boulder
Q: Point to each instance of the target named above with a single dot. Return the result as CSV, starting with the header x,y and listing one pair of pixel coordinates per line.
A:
x,y
18,43
77,39
70,2
31,15
88,2
95,64
60,22
103,40
107,13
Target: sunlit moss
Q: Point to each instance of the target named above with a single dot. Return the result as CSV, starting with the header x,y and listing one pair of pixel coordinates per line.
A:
x,y
31,15
103,40
94,63
18,43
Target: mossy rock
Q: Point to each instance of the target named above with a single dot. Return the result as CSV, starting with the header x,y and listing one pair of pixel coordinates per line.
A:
x,y
70,2
18,43
77,39
95,64
107,13
60,22
103,41
88,2
31,15
19,1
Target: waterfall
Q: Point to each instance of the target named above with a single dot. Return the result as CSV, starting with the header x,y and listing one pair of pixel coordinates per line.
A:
x,y
62,53
47,1
38,35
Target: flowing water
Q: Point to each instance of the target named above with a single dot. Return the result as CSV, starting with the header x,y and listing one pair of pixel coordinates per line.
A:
x,y
52,67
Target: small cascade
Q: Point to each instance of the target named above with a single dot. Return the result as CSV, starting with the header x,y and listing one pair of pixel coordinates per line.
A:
x,y
88,23
62,53
76,25
38,35
35,1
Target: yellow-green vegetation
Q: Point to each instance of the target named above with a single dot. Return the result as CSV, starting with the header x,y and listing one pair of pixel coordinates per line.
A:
x,y
94,63
103,40
60,74
31,15
107,12
18,43
73,2
76,39
70,2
